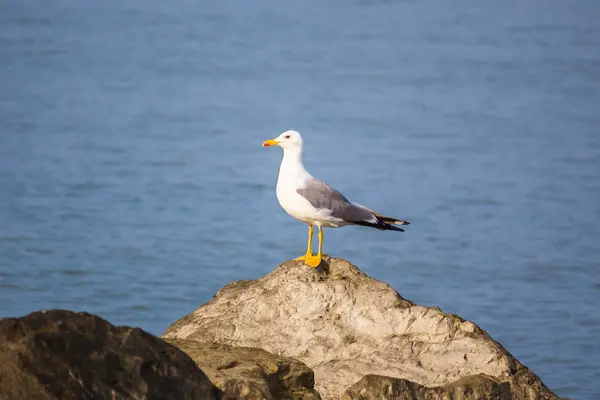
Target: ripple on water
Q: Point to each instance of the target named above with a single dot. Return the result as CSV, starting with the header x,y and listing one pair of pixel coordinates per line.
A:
x,y
173,299
139,307
73,216
81,284
255,187
73,272
5,274
11,285
85,187
110,292
475,201
39,250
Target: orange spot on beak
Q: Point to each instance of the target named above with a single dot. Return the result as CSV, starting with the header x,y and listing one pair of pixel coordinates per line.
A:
x,y
270,142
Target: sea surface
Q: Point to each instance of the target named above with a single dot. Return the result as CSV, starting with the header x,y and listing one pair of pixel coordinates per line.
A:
x,y
133,184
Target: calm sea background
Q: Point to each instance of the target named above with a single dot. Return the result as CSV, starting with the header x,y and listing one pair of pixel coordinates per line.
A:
x,y
133,184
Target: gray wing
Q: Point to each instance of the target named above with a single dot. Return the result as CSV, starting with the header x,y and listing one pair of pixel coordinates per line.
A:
x,y
323,196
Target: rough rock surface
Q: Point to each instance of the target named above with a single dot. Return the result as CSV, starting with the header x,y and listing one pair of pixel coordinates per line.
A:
x,y
345,325
472,387
251,373
65,355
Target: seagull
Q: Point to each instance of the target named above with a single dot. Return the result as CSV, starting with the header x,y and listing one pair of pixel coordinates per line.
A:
x,y
315,203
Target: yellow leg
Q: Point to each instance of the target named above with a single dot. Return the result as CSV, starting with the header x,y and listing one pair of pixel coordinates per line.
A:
x,y
314,261
309,248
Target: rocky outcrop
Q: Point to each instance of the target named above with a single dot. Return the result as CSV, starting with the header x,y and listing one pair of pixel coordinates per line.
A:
x,y
251,373
345,325
469,388
386,388
64,355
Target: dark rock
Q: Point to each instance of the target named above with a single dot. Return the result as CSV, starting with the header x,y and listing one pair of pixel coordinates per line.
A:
x,y
77,356
474,387
251,373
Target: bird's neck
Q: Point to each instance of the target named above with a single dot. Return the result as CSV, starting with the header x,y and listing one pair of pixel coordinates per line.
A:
x,y
291,165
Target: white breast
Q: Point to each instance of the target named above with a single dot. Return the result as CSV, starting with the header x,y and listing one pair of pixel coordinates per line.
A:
x,y
293,203
293,176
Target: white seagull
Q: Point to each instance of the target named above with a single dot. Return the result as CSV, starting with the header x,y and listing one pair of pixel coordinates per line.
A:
x,y
315,203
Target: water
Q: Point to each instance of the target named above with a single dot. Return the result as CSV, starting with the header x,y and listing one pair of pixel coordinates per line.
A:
x,y
133,184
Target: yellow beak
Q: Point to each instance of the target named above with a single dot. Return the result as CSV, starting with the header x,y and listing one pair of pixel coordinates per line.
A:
x,y
270,142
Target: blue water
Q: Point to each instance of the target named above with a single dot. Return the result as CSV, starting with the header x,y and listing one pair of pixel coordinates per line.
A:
x,y
133,184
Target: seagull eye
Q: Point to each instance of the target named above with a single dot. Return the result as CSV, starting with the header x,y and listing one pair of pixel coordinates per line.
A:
x,y
287,136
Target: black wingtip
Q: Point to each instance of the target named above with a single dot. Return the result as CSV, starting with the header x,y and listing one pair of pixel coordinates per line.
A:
x,y
393,228
382,226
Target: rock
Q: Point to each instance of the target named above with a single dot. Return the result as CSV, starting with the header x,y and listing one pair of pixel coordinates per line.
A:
x,y
469,388
251,373
65,355
345,325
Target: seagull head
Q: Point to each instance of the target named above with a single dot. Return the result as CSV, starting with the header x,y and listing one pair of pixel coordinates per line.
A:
x,y
287,140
